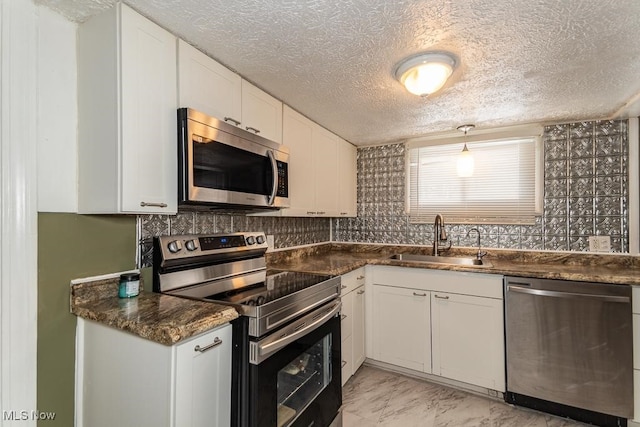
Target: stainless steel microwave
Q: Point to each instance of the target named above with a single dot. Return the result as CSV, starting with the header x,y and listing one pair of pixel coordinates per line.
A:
x,y
221,166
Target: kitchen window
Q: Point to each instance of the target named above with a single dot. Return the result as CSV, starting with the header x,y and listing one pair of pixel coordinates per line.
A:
x,y
505,188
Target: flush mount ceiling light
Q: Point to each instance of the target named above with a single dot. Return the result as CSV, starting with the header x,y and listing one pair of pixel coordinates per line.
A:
x,y
426,73
465,158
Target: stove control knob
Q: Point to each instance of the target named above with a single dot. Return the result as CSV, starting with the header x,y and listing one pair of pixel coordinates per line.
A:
x,y
251,240
191,245
260,239
174,246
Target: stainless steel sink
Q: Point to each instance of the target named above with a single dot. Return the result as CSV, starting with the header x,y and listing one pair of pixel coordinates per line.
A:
x,y
441,260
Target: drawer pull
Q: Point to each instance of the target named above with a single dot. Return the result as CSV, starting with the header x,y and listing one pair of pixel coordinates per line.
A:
x,y
157,205
359,277
215,343
362,292
252,129
439,297
344,363
231,119
343,287
419,295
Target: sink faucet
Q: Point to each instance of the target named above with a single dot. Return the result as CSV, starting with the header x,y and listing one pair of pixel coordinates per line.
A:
x,y
439,235
480,253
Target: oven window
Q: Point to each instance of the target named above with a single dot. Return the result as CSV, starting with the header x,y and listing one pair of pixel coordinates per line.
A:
x,y
222,167
303,379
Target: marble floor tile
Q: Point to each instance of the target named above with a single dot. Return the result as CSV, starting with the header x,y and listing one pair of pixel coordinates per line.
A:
x,y
377,398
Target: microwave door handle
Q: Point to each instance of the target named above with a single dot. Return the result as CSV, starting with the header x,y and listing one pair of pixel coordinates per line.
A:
x,y
274,170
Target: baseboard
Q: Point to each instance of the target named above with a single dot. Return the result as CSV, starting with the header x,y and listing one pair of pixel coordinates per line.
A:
x,y
470,388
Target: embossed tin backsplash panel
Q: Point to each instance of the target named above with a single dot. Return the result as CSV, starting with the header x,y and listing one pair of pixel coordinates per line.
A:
x,y
585,193
287,232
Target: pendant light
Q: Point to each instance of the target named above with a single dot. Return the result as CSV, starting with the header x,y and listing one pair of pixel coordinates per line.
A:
x,y
465,158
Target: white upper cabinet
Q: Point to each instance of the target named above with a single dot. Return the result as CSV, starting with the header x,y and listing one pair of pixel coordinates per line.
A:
x,y
261,113
347,176
126,115
211,88
325,171
322,169
207,86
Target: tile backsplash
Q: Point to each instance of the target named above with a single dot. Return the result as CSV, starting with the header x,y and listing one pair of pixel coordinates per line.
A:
x,y
585,193
287,232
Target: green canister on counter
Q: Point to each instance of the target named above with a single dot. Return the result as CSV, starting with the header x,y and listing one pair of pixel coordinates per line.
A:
x,y
129,285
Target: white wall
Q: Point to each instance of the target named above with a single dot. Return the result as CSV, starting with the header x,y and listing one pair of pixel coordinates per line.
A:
x,y
57,114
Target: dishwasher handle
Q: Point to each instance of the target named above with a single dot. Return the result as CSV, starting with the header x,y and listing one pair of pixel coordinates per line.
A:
x,y
570,295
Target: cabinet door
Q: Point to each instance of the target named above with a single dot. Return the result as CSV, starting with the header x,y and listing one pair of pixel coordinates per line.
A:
x,y
468,339
347,359
346,315
203,380
401,327
148,116
297,132
357,331
347,179
261,113
207,86
325,146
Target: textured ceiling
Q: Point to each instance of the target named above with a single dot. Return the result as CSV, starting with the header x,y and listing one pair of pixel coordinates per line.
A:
x,y
521,61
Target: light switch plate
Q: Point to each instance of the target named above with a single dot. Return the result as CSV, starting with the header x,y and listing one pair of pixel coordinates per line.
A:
x,y
600,243
270,242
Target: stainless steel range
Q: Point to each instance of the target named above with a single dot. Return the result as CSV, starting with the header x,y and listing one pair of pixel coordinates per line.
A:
x,y
286,342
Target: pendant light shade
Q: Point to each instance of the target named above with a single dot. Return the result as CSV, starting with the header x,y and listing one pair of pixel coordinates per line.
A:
x,y
465,158
426,73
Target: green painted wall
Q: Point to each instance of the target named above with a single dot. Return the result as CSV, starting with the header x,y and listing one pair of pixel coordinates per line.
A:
x,y
71,246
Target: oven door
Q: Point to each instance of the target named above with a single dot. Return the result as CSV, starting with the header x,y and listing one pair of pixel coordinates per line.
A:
x,y
221,164
299,384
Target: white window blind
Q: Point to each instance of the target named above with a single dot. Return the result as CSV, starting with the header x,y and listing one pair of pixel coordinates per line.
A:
x,y
505,187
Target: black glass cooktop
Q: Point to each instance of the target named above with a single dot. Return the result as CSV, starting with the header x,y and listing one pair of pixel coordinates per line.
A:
x,y
275,286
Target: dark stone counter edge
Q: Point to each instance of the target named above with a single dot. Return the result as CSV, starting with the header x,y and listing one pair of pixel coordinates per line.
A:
x,y
608,273
160,318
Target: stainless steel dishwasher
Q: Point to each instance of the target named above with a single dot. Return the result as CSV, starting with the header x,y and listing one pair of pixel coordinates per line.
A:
x,y
570,349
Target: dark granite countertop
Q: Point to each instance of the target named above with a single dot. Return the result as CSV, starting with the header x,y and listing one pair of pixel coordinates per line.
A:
x,y
340,258
161,318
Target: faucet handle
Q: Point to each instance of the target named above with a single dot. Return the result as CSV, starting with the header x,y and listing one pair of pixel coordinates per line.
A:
x,y
480,254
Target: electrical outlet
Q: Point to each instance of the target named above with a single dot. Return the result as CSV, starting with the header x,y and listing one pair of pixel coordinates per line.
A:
x,y
270,242
600,243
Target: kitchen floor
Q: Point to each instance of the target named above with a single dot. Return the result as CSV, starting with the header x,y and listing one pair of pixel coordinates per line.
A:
x,y
375,397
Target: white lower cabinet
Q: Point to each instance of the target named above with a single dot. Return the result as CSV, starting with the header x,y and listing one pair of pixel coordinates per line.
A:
x,y
352,322
466,339
358,350
445,323
127,381
635,297
402,327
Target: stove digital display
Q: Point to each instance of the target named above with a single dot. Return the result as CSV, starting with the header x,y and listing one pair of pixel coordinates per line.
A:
x,y
221,242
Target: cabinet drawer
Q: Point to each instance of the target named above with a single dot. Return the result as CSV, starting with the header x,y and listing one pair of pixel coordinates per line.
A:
x,y
352,280
476,284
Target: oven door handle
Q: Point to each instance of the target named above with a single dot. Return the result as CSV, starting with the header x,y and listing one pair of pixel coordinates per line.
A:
x,y
274,171
317,320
